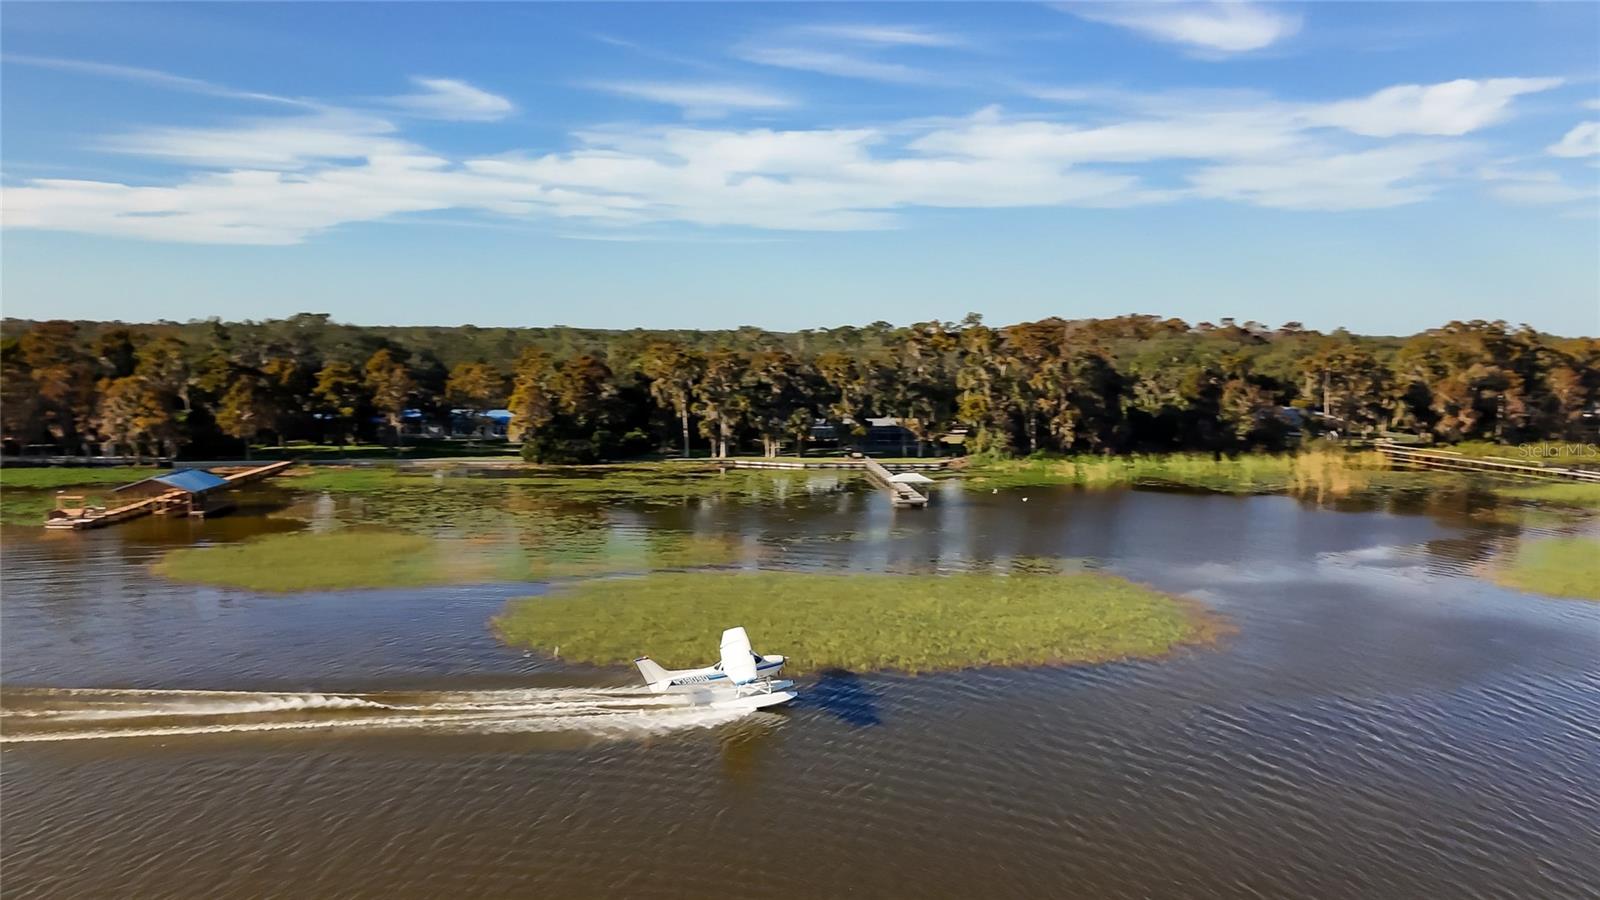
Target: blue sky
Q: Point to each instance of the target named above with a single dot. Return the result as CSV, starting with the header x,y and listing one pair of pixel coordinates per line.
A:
x,y
1380,166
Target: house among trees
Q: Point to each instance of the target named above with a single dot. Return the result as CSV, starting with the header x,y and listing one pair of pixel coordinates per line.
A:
x,y
480,423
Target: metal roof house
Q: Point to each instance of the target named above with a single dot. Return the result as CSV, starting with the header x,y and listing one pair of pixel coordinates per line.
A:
x,y
191,481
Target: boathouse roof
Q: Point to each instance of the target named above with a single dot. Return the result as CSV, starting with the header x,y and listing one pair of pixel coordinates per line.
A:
x,y
195,481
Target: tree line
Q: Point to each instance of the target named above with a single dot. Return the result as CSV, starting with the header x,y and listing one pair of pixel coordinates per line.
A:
x,y
1143,383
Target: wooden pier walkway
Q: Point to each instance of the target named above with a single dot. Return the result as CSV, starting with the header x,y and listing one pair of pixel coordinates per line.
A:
x,y
175,500
1451,461
245,476
899,494
878,473
837,463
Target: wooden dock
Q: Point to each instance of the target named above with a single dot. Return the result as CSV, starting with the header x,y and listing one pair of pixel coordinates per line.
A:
x,y
1451,461
838,463
175,501
878,473
899,494
245,476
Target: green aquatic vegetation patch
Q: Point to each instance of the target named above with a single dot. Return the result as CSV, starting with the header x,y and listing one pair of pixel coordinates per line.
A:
x,y
1573,494
911,623
1241,474
649,483
1560,567
305,561
668,483
27,494
25,507
1316,472
349,559
525,502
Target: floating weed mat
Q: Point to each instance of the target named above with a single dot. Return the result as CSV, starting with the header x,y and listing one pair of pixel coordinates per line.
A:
x,y
1558,566
348,559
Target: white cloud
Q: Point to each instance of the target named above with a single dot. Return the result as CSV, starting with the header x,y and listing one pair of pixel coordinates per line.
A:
x,y
260,207
1534,187
1541,193
286,179
449,99
1591,104
888,35
1451,108
1212,28
1218,136
700,100
1370,179
1582,140
280,143
828,62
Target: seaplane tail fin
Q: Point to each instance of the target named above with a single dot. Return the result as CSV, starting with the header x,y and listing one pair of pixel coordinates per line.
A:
x,y
738,661
652,672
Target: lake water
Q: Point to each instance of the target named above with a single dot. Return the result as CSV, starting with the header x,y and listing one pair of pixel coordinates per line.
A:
x,y
1378,723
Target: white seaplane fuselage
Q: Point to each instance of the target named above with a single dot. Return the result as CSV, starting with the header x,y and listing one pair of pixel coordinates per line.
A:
x,y
743,679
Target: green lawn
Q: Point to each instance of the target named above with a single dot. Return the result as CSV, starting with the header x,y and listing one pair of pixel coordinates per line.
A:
x,y
53,477
414,448
1560,567
1557,453
26,494
368,558
911,623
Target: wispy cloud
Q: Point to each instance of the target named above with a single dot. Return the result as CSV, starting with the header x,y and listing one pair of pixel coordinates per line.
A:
x,y
829,62
1209,28
1370,179
1451,108
152,77
1539,187
698,100
677,59
452,100
887,35
1582,140
286,143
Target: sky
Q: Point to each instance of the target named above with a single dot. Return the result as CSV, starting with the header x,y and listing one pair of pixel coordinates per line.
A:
x,y
1385,167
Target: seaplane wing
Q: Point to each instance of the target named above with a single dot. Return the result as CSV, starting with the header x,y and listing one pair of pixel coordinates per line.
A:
x,y
738,660
742,678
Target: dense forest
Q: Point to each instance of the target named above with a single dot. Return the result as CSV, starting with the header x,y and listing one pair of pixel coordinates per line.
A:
x,y
1145,383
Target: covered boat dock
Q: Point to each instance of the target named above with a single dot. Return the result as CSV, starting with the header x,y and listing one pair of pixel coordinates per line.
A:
x,y
182,492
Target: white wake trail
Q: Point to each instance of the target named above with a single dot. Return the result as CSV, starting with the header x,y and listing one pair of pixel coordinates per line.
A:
x,y
52,715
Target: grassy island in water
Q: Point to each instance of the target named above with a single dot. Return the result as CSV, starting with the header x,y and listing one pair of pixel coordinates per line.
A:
x,y
910,623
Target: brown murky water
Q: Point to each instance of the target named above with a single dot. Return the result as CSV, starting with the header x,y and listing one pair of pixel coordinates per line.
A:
x,y
1382,724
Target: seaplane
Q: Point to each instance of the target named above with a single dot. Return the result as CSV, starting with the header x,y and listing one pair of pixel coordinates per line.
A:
x,y
744,679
